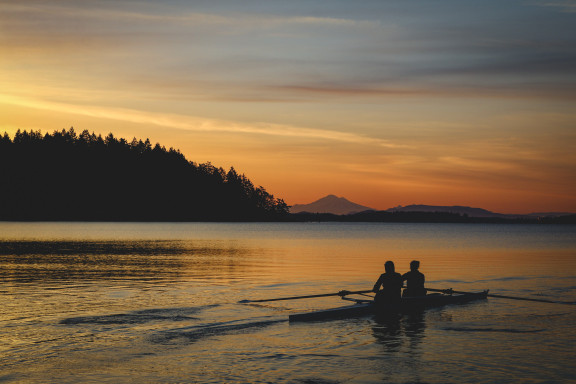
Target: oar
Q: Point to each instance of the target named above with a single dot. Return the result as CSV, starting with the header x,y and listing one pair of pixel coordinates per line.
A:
x,y
341,293
505,297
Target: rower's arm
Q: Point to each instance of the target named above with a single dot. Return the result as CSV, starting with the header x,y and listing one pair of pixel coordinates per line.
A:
x,y
378,284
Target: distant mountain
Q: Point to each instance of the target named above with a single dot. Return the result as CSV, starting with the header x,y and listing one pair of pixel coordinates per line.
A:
x,y
338,209
471,212
330,204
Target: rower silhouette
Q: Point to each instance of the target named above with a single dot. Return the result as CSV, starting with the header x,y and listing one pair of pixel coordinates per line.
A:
x,y
391,283
414,281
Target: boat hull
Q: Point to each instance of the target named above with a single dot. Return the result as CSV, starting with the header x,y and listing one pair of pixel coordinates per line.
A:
x,y
407,304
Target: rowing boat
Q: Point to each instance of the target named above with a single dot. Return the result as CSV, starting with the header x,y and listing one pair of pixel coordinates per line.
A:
x,y
367,307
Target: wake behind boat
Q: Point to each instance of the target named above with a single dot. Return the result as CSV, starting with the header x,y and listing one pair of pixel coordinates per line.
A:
x,y
365,307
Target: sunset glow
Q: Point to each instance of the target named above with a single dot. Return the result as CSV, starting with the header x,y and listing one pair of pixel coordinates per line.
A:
x,y
383,102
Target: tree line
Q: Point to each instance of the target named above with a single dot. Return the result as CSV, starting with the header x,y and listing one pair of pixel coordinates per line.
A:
x,y
426,217
84,177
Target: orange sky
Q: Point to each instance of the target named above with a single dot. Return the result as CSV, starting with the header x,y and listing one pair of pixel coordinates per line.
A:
x,y
387,103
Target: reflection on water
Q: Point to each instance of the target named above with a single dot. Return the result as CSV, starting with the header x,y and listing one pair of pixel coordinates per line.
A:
x,y
124,302
25,261
395,331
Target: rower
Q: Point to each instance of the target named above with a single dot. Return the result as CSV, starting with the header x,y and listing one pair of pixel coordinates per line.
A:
x,y
414,281
391,282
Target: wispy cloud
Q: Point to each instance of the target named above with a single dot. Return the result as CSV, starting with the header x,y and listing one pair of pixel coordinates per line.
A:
x,y
192,123
277,56
568,6
169,15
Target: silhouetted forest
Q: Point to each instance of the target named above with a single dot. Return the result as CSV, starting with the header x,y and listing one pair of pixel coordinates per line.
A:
x,y
70,176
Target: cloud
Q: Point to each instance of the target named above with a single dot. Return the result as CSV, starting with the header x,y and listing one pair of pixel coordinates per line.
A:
x,y
168,15
276,54
520,89
567,6
191,123
337,90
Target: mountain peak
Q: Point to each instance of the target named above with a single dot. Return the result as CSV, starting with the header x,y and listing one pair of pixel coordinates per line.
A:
x,y
330,204
332,198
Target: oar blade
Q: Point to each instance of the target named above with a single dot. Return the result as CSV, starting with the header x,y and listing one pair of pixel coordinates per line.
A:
x,y
449,291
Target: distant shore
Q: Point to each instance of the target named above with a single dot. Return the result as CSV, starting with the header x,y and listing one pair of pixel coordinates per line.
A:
x,y
426,217
361,217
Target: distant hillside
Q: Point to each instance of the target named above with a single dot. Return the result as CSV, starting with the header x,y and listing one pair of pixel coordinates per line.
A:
x,y
472,212
330,204
339,209
427,217
461,210
66,176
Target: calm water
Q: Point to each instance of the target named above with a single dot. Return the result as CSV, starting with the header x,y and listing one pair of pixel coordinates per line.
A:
x,y
127,302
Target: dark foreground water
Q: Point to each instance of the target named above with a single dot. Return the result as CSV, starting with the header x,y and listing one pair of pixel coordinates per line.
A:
x,y
158,303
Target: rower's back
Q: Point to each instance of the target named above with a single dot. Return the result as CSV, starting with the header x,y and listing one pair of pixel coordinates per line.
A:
x,y
391,283
414,281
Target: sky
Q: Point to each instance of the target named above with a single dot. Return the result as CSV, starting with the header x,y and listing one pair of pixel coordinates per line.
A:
x,y
384,102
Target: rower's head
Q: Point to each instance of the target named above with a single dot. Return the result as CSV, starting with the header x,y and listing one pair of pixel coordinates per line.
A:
x,y
389,266
414,265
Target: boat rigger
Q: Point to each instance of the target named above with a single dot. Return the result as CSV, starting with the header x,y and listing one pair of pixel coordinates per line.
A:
x,y
366,307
